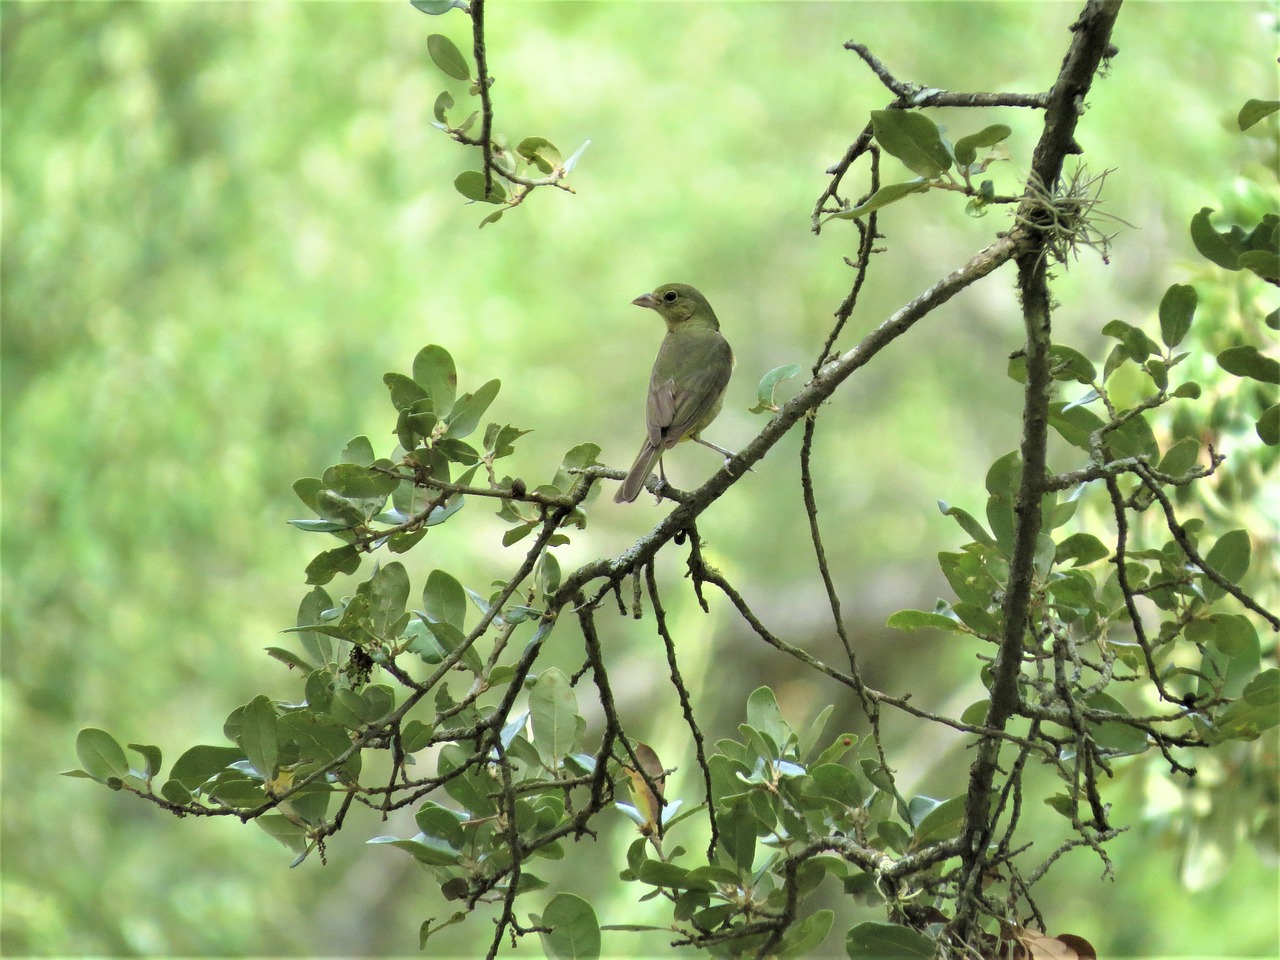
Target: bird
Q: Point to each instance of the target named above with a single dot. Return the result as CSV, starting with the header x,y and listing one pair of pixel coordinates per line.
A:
x,y
688,382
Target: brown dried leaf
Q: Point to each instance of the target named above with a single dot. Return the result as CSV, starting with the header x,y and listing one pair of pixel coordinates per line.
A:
x,y
647,802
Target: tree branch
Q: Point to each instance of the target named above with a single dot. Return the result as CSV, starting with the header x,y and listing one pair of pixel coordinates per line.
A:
x,y
1066,102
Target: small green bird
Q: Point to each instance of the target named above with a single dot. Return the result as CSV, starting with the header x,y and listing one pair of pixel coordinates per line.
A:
x,y
686,388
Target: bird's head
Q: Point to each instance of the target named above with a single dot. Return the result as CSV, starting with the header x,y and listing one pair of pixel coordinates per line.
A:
x,y
676,303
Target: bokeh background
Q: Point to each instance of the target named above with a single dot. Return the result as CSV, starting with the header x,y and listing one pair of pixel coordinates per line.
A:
x,y
224,221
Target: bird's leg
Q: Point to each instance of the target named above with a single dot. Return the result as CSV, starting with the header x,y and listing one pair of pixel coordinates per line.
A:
x,y
727,454
662,477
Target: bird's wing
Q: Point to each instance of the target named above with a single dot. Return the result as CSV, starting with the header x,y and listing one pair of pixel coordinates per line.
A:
x,y
659,410
677,405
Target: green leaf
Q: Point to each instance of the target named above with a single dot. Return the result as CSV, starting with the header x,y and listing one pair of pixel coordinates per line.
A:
x,y
444,599
357,482
764,715
404,391
1075,425
470,183
1265,263
1177,307
151,757
968,577
977,618
966,148
434,372
1246,361
1083,548
1231,633
1213,246
474,789
325,566
1255,110
518,532
259,737
388,594
838,748
1180,457
737,825
968,523
578,458
198,764
1067,363
541,152
768,385
358,450
916,619
1230,558
281,828
1115,735
575,931
805,936
1134,439
414,736
239,792
469,408
885,196
914,139
838,783
881,198
554,709
450,639
443,103
673,876
430,851
887,941
941,823
1257,710
317,645
547,575
1003,479
100,755
437,7
1268,425
446,55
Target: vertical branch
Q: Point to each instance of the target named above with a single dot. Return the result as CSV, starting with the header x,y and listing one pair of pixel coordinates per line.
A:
x,y
660,616
1066,102
483,81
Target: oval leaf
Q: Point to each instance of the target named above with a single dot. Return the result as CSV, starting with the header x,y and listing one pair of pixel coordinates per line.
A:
x,y
1177,307
1229,558
100,755
554,709
575,931
470,183
914,139
1246,361
446,55
434,372
887,941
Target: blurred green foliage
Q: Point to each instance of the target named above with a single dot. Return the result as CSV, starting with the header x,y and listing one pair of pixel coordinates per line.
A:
x,y
224,222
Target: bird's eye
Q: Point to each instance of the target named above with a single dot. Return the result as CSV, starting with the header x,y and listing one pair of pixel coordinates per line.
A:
x,y
670,296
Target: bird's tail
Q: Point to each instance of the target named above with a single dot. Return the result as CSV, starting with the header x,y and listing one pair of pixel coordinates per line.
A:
x,y
637,475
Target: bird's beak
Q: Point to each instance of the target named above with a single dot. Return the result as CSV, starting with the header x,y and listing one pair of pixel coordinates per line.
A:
x,y
645,300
